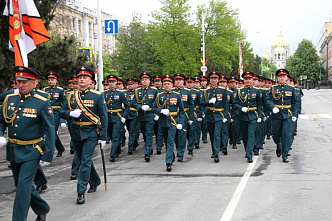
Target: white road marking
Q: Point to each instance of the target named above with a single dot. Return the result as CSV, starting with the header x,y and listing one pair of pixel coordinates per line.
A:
x,y
238,192
303,116
325,115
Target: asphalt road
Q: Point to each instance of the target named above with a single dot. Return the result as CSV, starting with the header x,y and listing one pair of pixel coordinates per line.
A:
x,y
198,188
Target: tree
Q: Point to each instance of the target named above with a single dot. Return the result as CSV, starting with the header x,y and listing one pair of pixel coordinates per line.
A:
x,y
223,34
305,62
268,69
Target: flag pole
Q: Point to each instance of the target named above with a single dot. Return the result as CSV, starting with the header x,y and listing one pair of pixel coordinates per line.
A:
x,y
100,48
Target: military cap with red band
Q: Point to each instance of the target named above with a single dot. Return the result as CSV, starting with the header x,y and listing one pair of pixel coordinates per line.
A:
x,y
232,79
247,74
179,76
112,77
280,72
120,81
145,75
190,79
167,77
131,80
204,78
197,79
157,77
24,73
214,75
52,74
223,78
85,70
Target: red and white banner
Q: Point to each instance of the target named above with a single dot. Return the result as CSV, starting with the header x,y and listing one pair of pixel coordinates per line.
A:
x,y
26,29
240,71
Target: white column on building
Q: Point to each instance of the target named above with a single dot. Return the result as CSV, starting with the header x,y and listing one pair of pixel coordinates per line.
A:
x,y
77,27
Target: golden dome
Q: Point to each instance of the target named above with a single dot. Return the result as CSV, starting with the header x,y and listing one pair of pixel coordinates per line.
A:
x,y
279,49
266,55
281,40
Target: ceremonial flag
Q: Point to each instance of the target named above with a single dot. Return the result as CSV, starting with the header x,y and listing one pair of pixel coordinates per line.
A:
x,y
26,29
240,60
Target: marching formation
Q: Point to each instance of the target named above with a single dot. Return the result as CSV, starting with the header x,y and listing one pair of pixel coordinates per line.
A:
x,y
174,111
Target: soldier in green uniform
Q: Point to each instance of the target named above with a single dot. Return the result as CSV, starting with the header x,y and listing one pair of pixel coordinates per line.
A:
x,y
120,86
22,112
282,100
204,86
157,130
56,96
198,110
248,102
215,99
300,95
143,103
115,99
89,128
234,132
171,112
188,105
132,117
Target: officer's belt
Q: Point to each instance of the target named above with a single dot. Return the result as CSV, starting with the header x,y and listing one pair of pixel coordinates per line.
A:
x,y
56,107
173,113
80,123
25,142
252,108
216,109
150,109
283,106
133,109
115,110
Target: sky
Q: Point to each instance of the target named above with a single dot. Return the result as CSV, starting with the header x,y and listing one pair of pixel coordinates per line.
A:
x,y
262,20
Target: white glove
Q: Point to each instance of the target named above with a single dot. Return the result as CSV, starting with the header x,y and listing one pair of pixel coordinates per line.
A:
x,y
203,115
164,111
145,107
3,141
199,119
213,100
123,120
275,110
293,119
156,118
44,163
232,120
244,109
190,122
102,142
224,120
259,120
16,90
179,126
75,113
63,125
264,119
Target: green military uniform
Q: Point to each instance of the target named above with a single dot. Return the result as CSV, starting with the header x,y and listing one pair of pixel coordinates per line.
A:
x,y
22,113
114,100
144,97
204,128
248,102
282,100
88,127
168,121
234,128
216,114
57,97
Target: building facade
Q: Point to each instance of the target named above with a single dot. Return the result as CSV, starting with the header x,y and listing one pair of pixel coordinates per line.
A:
x,y
280,51
324,47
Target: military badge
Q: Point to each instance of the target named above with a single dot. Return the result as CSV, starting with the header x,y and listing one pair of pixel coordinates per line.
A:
x,y
49,110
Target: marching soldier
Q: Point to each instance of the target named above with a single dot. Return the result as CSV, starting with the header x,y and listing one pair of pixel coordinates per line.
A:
x,y
300,95
132,118
204,86
116,115
88,110
106,84
282,100
27,111
157,130
234,133
215,99
248,102
56,96
188,105
198,111
143,103
171,112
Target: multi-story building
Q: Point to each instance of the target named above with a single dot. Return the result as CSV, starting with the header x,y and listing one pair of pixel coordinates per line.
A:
x,y
280,51
324,47
71,18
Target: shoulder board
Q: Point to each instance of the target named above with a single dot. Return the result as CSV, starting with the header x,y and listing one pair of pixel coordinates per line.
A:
x,y
70,92
161,93
153,88
175,92
13,94
290,85
60,88
40,91
240,88
187,89
95,92
221,87
203,89
40,97
256,88
229,90
45,88
194,89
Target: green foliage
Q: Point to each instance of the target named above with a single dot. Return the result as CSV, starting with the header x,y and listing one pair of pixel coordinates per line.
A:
x,y
305,62
268,69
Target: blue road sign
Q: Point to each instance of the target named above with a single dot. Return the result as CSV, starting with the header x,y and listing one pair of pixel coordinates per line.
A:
x,y
111,27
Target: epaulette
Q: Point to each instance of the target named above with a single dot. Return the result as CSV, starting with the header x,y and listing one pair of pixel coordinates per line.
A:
x,y
291,85
221,87
40,97
229,90
160,93
240,87
40,91
175,92
60,88
153,88
45,88
13,94
96,92
187,89
194,89
256,88
203,89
